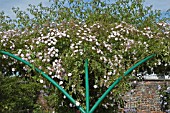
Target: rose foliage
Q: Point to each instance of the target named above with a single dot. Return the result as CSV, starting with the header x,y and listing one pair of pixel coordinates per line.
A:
x,y
57,39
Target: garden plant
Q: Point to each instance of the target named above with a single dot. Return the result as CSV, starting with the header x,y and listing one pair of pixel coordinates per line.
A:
x,y
57,39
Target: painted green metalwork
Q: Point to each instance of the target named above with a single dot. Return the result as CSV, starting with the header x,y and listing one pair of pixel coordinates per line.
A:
x,y
87,86
88,110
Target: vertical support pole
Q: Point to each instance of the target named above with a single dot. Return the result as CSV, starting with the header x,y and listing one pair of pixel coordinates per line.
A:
x,y
87,85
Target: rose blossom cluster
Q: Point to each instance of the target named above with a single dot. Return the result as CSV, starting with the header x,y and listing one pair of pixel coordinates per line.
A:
x,y
110,46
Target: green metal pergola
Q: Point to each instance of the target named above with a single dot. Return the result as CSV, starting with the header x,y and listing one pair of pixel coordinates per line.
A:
x,y
88,110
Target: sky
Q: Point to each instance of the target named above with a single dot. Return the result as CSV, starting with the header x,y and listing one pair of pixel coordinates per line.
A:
x,y
6,5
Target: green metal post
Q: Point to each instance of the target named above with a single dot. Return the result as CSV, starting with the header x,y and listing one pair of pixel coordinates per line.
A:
x,y
45,76
117,81
87,85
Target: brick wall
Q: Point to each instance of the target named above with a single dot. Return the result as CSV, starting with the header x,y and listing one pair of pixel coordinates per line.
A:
x,y
144,98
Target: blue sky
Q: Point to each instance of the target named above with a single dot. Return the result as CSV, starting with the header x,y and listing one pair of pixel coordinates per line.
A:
x,y
6,5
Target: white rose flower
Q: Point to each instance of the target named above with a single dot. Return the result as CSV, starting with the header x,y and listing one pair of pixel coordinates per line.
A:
x,y
71,105
109,73
41,81
37,42
77,103
56,55
13,69
52,33
93,48
50,73
61,82
95,86
22,55
69,74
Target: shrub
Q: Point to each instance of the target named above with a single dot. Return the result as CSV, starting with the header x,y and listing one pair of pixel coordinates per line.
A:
x,y
110,37
18,95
